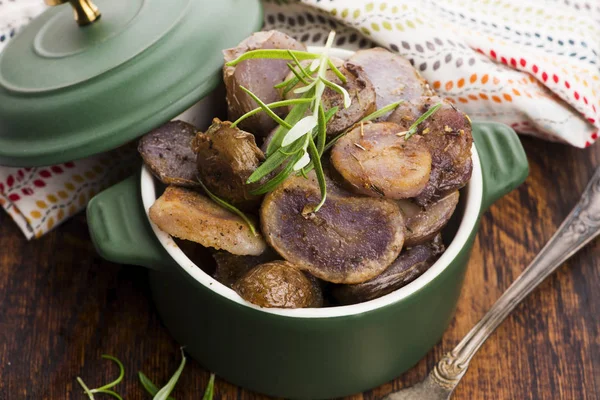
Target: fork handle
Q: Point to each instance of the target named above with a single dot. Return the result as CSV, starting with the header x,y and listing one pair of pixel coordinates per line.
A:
x,y
579,228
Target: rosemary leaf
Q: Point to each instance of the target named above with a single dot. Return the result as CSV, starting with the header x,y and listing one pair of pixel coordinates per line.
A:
x,y
339,89
297,74
278,179
315,157
149,385
163,394
336,71
270,164
266,109
109,392
210,388
321,132
85,388
273,54
413,128
299,130
295,115
116,381
276,104
292,84
302,69
229,207
382,111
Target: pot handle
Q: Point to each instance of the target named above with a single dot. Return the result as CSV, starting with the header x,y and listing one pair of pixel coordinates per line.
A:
x,y
503,161
120,229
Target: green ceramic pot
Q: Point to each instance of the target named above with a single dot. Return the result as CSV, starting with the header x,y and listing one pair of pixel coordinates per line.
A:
x,y
304,353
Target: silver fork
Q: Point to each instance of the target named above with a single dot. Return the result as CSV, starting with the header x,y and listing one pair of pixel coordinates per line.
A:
x,y
579,228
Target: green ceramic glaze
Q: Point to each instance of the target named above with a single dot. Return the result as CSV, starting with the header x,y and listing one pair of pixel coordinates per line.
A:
x,y
291,357
67,92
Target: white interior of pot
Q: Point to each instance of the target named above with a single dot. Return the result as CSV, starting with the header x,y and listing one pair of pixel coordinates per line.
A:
x,y
469,205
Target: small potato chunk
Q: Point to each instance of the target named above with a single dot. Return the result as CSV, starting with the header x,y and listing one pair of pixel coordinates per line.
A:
x,y
351,239
226,157
362,96
279,284
422,224
411,264
167,151
231,267
188,215
447,134
377,162
259,76
392,76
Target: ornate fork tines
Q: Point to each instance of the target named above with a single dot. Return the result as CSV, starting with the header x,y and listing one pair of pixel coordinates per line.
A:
x,y
578,229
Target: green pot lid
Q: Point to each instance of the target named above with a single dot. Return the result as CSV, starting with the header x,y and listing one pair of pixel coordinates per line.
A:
x,y
67,92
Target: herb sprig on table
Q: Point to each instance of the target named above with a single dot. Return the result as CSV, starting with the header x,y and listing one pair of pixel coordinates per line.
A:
x,y
158,394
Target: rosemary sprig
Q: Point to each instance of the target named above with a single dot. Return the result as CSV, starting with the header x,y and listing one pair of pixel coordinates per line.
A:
x,y
275,104
413,128
273,54
106,388
382,111
163,394
228,206
266,109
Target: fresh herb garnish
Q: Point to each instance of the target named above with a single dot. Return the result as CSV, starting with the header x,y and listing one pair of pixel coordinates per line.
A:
x,y
228,206
106,388
413,128
163,394
299,141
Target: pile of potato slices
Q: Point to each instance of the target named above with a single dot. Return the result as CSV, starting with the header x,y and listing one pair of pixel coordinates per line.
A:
x,y
388,198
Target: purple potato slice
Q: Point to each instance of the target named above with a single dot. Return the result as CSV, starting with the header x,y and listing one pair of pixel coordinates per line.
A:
x,y
167,151
375,161
447,134
259,76
351,239
279,284
423,223
411,264
226,157
392,76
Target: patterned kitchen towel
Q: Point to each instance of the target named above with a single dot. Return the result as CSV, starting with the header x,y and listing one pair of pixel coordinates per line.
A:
x,y
532,64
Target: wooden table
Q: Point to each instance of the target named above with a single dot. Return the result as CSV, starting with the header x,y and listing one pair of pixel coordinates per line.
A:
x,y
62,306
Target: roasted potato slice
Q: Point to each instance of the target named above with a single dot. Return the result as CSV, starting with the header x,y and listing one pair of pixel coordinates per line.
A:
x,y
188,215
257,75
279,284
226,157
447,134
167,151
231,267
377,162
392,76
423,223
411,264
351,239
362,96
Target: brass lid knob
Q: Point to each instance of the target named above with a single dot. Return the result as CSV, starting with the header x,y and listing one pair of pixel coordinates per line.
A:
x,y
85,11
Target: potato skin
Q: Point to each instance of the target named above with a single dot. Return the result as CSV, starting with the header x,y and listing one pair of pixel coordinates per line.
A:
x,y
424,223
230,267
257,75
392,76
447,134
279,284
226,157
189,215
351,239
167,151
376,162
411,264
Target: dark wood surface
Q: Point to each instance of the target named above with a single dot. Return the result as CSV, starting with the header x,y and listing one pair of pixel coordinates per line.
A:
x,y
62,306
